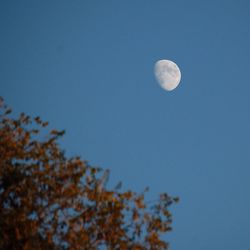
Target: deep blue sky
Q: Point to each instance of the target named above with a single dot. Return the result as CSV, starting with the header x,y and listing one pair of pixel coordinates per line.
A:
x,y
87,67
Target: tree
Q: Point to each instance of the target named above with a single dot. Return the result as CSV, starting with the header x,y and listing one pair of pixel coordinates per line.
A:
x,y
49,201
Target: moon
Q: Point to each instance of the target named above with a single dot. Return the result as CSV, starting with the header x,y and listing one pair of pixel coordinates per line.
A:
x,y
167,74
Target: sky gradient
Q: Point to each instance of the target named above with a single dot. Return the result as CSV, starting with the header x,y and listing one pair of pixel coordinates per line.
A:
x,y
87,67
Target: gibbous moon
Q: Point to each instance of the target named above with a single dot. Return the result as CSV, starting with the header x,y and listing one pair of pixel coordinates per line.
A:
x,y
167,74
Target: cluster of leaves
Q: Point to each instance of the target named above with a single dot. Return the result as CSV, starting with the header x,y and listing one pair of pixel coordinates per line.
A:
x,y
48,201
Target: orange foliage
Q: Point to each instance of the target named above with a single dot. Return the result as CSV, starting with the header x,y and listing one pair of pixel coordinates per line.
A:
x,y
48,201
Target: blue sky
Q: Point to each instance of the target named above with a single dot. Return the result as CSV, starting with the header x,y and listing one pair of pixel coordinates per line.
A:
x,y
87,67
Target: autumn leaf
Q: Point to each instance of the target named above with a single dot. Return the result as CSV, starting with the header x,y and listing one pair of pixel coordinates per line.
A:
x,y
49,201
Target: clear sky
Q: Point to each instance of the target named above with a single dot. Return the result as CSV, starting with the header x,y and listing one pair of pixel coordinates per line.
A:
x,y
87,67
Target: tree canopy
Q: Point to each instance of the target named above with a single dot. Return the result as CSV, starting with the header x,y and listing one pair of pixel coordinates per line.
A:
x,y
50,201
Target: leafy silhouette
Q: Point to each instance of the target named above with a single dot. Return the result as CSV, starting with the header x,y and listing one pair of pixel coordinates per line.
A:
x,y
49,201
